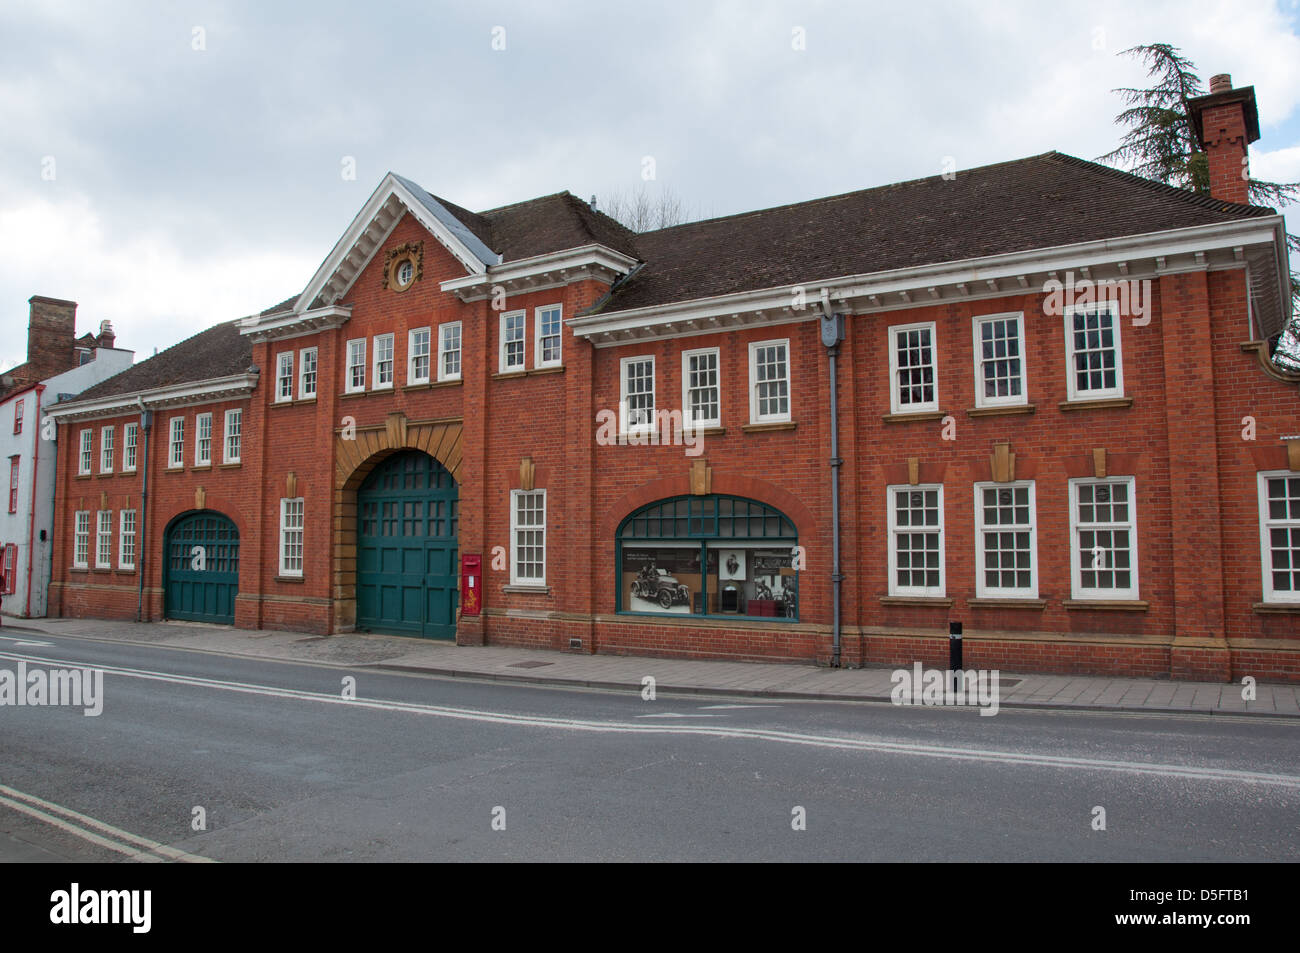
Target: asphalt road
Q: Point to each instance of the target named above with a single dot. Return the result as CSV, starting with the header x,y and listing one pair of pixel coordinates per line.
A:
x,y
420,768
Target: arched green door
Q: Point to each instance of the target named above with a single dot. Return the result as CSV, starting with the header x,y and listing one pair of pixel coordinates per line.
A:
x,y
201,569
406,548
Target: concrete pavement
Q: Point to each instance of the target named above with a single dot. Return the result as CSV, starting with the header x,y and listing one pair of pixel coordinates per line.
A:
x,y
681,676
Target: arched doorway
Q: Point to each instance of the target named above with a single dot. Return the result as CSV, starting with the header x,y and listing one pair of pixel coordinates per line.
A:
x,y
406,548
201,568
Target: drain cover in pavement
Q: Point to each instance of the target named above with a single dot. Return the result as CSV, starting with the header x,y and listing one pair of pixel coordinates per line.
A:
x,y
528,664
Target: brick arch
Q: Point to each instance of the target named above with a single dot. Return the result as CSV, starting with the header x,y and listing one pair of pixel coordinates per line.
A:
x,y
722,483
355,455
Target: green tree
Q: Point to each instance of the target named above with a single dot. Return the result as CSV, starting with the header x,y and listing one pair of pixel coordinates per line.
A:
x,y
1161,144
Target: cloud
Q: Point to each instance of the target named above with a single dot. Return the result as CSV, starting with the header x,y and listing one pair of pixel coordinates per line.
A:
x,y
197,185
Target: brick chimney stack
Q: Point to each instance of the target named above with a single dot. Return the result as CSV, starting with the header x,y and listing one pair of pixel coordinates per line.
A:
x,y
106,335
51,330
1226,122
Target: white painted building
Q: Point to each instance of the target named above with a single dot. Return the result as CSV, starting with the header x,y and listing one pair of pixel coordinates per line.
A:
x,y
27,450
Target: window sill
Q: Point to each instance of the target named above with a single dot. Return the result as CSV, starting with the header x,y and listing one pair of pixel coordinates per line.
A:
x,y
289,579
1279,608
431,385
999,411
934,601
174,469
915,416
304,400
84,476
79,569
281,403
230,466
1113,605
353,393
769,427
1099,404
998,603
531,372
519,589
201,466
125,572
101,474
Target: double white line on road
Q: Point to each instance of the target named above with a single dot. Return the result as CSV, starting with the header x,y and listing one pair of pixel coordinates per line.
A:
x,y
842,743
95,831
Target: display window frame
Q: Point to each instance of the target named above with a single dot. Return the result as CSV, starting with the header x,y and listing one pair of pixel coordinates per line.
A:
x,y
707,557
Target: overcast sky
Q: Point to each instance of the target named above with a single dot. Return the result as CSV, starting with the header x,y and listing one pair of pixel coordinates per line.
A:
x,y
170,165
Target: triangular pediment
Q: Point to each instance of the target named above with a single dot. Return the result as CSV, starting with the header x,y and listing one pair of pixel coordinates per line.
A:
x,y
396,196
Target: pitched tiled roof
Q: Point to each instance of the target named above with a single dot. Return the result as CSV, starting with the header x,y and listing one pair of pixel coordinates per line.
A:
x,y
1039,202
220,351
547,224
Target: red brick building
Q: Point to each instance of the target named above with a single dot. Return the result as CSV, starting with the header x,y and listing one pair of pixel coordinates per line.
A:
x,y
1057,423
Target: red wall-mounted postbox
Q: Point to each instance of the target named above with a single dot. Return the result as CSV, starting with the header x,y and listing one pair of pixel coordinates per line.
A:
x,y
471,584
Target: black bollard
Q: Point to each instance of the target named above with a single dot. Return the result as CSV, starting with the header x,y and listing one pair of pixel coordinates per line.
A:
x,y
954,653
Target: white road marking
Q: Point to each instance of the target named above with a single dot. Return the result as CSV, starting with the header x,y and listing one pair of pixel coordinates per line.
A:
x,y
19,641
676,714
843,743
123,842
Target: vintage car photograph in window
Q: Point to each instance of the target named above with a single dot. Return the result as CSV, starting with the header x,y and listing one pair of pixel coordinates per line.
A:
x,y
708,556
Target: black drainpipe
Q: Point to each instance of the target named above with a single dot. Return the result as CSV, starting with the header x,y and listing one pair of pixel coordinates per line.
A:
x,y
832,327
146,424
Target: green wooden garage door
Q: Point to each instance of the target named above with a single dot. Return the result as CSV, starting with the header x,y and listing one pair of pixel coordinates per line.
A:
x,y
202,568
406,548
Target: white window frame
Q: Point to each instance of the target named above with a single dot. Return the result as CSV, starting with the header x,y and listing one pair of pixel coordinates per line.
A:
x,y
506,316
1267,523
103,533
702,423
539,338
977,324
754,416
939,591
86,454
106,448
122,536
443,351
896,406
355,361
1076,586
200,458
176,443
237,432
982,589
81,540
283,377
1071,389
375,382
412,377
623,410
515,578
287,534
303,392
130,446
